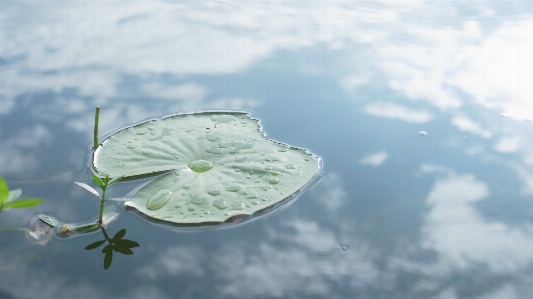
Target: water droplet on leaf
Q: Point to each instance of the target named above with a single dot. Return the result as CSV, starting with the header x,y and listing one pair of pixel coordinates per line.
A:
x,y
200,165
158,200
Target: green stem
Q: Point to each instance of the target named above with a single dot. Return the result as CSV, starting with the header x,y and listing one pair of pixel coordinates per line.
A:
x,y
102,201
96,120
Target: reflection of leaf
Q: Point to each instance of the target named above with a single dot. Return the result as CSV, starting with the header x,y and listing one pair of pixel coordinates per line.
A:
x,y
108,258
127,243
94,245
123,250
14,194
117,244
120,234
222,166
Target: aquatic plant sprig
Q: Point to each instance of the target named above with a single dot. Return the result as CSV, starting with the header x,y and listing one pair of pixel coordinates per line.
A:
x,y
8,199
104,183
117,244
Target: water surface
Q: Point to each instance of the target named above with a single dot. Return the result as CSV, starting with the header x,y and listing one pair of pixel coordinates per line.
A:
x,y
418,110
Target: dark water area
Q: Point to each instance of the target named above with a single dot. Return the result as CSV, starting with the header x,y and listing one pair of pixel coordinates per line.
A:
x,y
419,111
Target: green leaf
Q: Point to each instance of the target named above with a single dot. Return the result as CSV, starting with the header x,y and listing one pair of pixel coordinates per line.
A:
x,y
108,259
126,243
88,188
94,245
50,220
120,234
218,164
4,191
85,228
98,181
115,180
118,198
14,194
24,203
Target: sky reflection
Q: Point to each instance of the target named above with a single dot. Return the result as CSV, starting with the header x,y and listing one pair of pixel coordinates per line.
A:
x,y
439,215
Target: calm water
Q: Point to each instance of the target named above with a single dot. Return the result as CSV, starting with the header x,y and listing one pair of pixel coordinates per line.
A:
x,y
416,108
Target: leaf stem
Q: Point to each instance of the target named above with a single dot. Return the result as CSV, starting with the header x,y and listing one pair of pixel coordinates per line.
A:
x,y
96,120
102,201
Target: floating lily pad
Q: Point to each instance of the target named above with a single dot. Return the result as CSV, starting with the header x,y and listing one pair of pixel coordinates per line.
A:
x,y
218,164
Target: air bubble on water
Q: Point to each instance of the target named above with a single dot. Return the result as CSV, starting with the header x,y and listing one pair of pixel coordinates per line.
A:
x,y
187,186
255,202
290,166
191,208
274,172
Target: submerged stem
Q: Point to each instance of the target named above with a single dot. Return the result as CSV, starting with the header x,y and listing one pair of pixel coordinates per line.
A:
x,y
96,119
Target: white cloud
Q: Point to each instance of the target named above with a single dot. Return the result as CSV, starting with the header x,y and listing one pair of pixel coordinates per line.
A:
x,y
187,92
330,192
374,159
499,70
395,111
465,124
298,269
508,144
462,236
174,261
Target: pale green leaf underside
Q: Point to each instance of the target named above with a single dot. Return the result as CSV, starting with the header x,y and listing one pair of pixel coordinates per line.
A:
x,y
221,165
